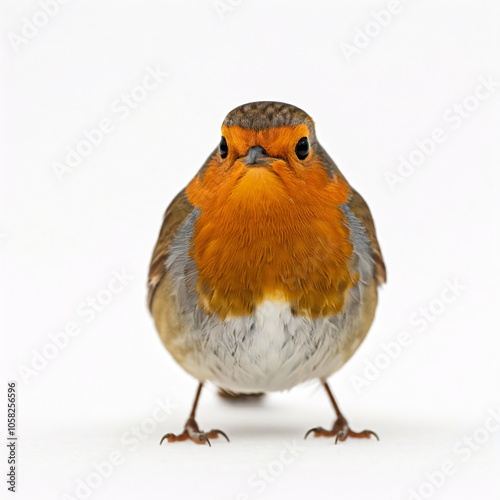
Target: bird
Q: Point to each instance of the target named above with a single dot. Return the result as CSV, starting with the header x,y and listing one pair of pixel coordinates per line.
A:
x,y
266,271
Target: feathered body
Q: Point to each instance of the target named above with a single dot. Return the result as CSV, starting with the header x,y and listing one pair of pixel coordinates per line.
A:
x,y
265,273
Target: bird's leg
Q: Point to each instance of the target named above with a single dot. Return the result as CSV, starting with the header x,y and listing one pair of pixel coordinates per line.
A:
x,y
340,429
191,429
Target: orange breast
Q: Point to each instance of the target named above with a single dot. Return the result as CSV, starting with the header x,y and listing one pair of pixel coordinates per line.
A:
x,y
270,234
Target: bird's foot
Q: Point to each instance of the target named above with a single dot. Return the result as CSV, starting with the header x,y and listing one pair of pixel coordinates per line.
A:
x,y
192,431
340,431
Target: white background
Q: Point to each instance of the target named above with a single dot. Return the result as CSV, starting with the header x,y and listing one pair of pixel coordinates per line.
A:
x,y
62,240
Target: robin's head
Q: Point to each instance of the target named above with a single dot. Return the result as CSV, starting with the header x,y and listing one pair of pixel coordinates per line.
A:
x,y
267,135
268,151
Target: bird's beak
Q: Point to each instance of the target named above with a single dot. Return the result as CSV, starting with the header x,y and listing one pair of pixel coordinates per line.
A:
x,y
257,157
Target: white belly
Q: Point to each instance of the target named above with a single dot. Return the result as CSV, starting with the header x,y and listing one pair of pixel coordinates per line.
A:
x,y
271,350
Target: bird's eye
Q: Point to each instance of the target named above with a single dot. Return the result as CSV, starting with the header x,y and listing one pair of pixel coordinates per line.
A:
x,y
302,148
223,149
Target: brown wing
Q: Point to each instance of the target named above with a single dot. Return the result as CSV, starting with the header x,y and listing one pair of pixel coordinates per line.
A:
x,y
360,209
175,215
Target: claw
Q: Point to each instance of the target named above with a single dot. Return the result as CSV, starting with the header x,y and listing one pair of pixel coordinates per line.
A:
x,y
204,438
373,434
315,430
218,431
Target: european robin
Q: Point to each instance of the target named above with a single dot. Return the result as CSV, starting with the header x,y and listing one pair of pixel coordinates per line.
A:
x,y
266,269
